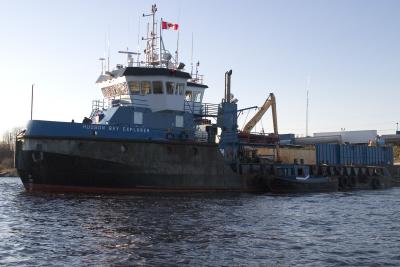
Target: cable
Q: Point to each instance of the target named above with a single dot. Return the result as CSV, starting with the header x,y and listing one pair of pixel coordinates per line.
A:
x,y
244,123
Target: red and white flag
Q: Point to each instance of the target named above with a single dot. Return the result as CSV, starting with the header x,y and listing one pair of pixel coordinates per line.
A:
x,y
169,26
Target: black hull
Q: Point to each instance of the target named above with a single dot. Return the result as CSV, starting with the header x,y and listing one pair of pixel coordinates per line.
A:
x,y
114,167
287,186
365,183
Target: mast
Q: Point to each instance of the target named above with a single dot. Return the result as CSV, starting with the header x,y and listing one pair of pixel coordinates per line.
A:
x,y
138,44
151,48
177,40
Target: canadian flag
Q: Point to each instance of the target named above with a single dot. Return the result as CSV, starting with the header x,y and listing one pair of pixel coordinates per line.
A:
x,y
169,26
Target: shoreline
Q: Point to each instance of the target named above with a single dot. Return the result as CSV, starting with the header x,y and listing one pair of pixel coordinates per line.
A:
x,y
9,173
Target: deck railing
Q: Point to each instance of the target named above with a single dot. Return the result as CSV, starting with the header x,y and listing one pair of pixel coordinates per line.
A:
x,y
201,109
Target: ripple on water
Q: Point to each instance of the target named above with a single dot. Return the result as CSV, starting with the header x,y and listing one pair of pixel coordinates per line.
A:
x,y
339,229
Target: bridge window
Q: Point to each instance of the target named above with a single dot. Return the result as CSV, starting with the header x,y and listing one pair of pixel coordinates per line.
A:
x,y
157,87
188,95
134,87
145,88
179,88
170,88
196,96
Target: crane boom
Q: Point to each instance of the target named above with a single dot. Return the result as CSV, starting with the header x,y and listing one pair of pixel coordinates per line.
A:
x,y
269,102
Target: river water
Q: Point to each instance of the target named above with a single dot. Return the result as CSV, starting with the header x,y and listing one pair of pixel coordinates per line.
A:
x,y
332,229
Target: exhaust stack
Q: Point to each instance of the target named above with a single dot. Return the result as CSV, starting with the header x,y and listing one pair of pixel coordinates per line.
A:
x,y
228,75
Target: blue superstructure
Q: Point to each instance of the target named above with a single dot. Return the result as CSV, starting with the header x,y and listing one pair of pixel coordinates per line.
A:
x,y
153,99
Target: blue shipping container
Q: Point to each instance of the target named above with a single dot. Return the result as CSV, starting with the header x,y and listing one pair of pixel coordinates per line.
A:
x,y
335,154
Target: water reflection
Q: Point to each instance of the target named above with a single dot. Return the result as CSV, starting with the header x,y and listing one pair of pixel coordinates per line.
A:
x,y
359,228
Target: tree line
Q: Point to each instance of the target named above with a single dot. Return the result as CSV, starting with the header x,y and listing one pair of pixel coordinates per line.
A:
x,y
7,147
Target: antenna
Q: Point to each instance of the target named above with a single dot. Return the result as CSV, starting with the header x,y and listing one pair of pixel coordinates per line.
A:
x,y
307,108
108,51
138,43
191,59
197,70
129,56
102,59
32,100
307,116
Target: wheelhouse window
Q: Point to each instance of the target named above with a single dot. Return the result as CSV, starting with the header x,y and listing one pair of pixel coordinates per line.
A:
x,y
157,87
188,95
170,88
180,87
196,96
137,117
145,88
134,87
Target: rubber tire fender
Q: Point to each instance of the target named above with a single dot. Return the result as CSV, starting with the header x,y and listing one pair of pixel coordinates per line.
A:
x,y
375,183
343,182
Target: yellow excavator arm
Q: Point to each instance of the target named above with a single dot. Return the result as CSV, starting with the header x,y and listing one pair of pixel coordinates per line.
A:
x,y
270,102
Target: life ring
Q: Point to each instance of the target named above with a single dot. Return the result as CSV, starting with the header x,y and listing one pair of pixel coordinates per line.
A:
x,y
376,183
37,158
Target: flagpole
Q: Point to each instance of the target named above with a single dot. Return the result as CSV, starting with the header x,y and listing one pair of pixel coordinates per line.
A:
x,y
177,48
177,40
160,40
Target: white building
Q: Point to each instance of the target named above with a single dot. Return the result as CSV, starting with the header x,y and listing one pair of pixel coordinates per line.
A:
x,y
352,137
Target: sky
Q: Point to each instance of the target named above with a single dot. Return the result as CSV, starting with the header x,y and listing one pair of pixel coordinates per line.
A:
x,y
346,52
